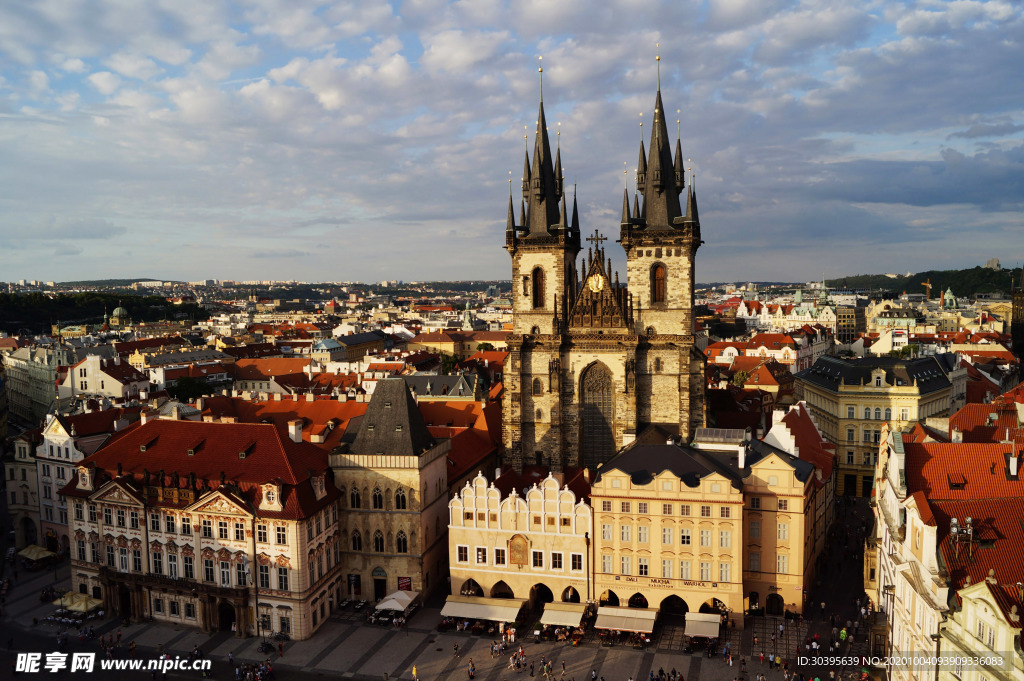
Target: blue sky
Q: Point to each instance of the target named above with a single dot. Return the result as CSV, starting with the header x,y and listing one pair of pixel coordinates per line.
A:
x,y
284,139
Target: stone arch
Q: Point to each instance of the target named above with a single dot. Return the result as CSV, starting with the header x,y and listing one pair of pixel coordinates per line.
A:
x,y
597,401
502,590
673,606
539,594
570,595
659,276
609,597
401,542
401,502
753,600
378,541
471,588
378,498
637,600
537,288
538,387
713,605
774,605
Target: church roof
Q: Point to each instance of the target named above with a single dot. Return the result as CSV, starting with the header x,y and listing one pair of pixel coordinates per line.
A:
x,y
392,424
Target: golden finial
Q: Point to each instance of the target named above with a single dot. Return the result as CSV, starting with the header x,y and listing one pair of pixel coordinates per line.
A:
x,y
540,70
558,136
510,184
526,138
625,175
657,58
641,127
679,120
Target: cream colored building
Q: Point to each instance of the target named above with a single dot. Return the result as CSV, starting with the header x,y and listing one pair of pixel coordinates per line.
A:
x,y
987,624
511,544
22,488
852,400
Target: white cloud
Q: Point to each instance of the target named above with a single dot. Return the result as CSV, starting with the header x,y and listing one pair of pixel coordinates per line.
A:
x,y
133,65
105,82
73,65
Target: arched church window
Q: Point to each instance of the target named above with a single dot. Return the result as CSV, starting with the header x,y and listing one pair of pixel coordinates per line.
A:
x,y
378,498
658,284
538,288
538,387
651,331
357,541
354,498
378,541
400,501
401,543
657,363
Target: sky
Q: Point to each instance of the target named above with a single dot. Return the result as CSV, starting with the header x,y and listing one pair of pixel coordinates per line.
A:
x,y
334,141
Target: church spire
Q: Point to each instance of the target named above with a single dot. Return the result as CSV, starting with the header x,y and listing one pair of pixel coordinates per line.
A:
x,y
678,165
625,206
543,194
661,196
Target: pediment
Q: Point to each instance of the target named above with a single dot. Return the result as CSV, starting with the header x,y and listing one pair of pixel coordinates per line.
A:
x,y
116,492
600,302
218,503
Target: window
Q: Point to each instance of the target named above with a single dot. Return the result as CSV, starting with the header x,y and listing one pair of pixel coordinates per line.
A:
x,y
642,534
92,513
207,529
851,435
684,510
755,562
606,531
723,572
705,511
108,518
354,498
666,569
208,570
378,498
878,384
225,573
878,436
658,283
172,565
783,504
400,502
158,563
851,412
481,556
684,536
110,556
849,457
643,566
606,564
666,509
186,525
666,535
773,481
606,506
94,549
133,520
755,529
357,541
888,413
264,576
538,288
684,569
154,521
158,605
137,560
705,537
282,578
624,565
190,611
378,541
705,571
401,543
462,554
556,561
79,512
782,564
222,529
48,494
282,535
642,507
725,511
576,561
904,414
755,502
538,387
239,532
878,414
783,533
867,412
725,540
81,549
625,532
624,507
657,363
538,559
189,565
499,556
261,534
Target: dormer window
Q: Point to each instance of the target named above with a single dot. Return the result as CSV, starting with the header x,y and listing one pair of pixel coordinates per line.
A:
x,y
271,497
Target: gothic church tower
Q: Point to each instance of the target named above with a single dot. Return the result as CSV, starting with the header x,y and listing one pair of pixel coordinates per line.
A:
x,y
588,354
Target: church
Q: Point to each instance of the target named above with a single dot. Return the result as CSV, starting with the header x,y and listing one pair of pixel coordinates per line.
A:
x,y
596,363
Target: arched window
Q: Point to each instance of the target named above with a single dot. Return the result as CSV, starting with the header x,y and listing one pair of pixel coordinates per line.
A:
x,y
867,412
378,498
651,331
538,288
888,413
878,414
354,499
538,387
658,283
401,543
657,363
400,502
378,541
357,541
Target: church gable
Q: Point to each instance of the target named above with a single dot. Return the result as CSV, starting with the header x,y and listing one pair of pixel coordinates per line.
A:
x,y
601,303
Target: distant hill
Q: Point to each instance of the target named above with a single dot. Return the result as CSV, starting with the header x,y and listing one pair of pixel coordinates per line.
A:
x,y
966,282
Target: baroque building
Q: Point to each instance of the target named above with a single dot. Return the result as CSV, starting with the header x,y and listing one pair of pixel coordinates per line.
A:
x,y
587,353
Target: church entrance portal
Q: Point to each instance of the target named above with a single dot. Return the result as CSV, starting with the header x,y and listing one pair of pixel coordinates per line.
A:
x,y
596,398
225,615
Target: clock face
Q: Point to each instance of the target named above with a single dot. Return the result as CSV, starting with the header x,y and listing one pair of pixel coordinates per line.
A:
x,y
596,283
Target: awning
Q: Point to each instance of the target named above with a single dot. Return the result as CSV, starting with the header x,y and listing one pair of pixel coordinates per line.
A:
x,y
476,608
626,619
563,614
399,600
35,552
703,624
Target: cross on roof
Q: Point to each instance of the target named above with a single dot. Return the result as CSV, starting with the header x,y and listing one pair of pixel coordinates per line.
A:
x,y
597,238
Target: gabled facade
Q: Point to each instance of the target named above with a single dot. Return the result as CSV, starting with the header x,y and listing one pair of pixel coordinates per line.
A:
x,y
96,376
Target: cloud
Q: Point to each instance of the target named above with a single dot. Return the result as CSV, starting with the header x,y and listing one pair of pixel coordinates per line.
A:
x,y
77,228
105,82
133,65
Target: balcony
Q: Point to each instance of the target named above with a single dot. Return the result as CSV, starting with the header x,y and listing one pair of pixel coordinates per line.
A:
x,y
151,581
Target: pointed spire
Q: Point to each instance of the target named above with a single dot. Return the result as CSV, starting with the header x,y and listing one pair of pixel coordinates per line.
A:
x,y
636,206
575,212
661,203
543,194
625,207
522,213
641,167
691,210
526,174
678,165
558,166
510,225
563,222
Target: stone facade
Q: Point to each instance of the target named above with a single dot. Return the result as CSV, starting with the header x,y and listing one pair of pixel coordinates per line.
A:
x,y
587,354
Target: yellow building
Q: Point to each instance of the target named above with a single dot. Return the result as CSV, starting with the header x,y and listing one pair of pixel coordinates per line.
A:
x,y
532,546
987,624
851,400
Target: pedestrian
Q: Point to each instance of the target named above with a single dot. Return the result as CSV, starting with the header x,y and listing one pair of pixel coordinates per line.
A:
x,y
280,649
762,658
531,669
563,667
455,650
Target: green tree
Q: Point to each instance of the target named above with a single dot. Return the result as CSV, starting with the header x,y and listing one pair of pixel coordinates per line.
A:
x,y
484,347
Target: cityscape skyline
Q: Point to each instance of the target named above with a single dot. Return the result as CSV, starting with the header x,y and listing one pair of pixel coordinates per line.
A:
x,y
371,142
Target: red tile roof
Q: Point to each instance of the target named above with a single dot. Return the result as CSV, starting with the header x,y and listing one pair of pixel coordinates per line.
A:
x,y
954,471
315,414
811,445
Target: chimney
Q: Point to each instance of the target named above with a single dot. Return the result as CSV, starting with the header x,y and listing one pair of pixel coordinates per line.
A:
x,y
143,417
741,451
957,436
1014,465
200,402
176,412
143,395
295,430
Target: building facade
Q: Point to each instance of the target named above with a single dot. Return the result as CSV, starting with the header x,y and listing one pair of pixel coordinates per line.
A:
x,y
31,375
587,354
206,525
23,487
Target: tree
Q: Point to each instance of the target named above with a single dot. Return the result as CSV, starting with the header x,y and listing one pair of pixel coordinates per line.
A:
x,y
187,388
448,363
739,379
484,347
